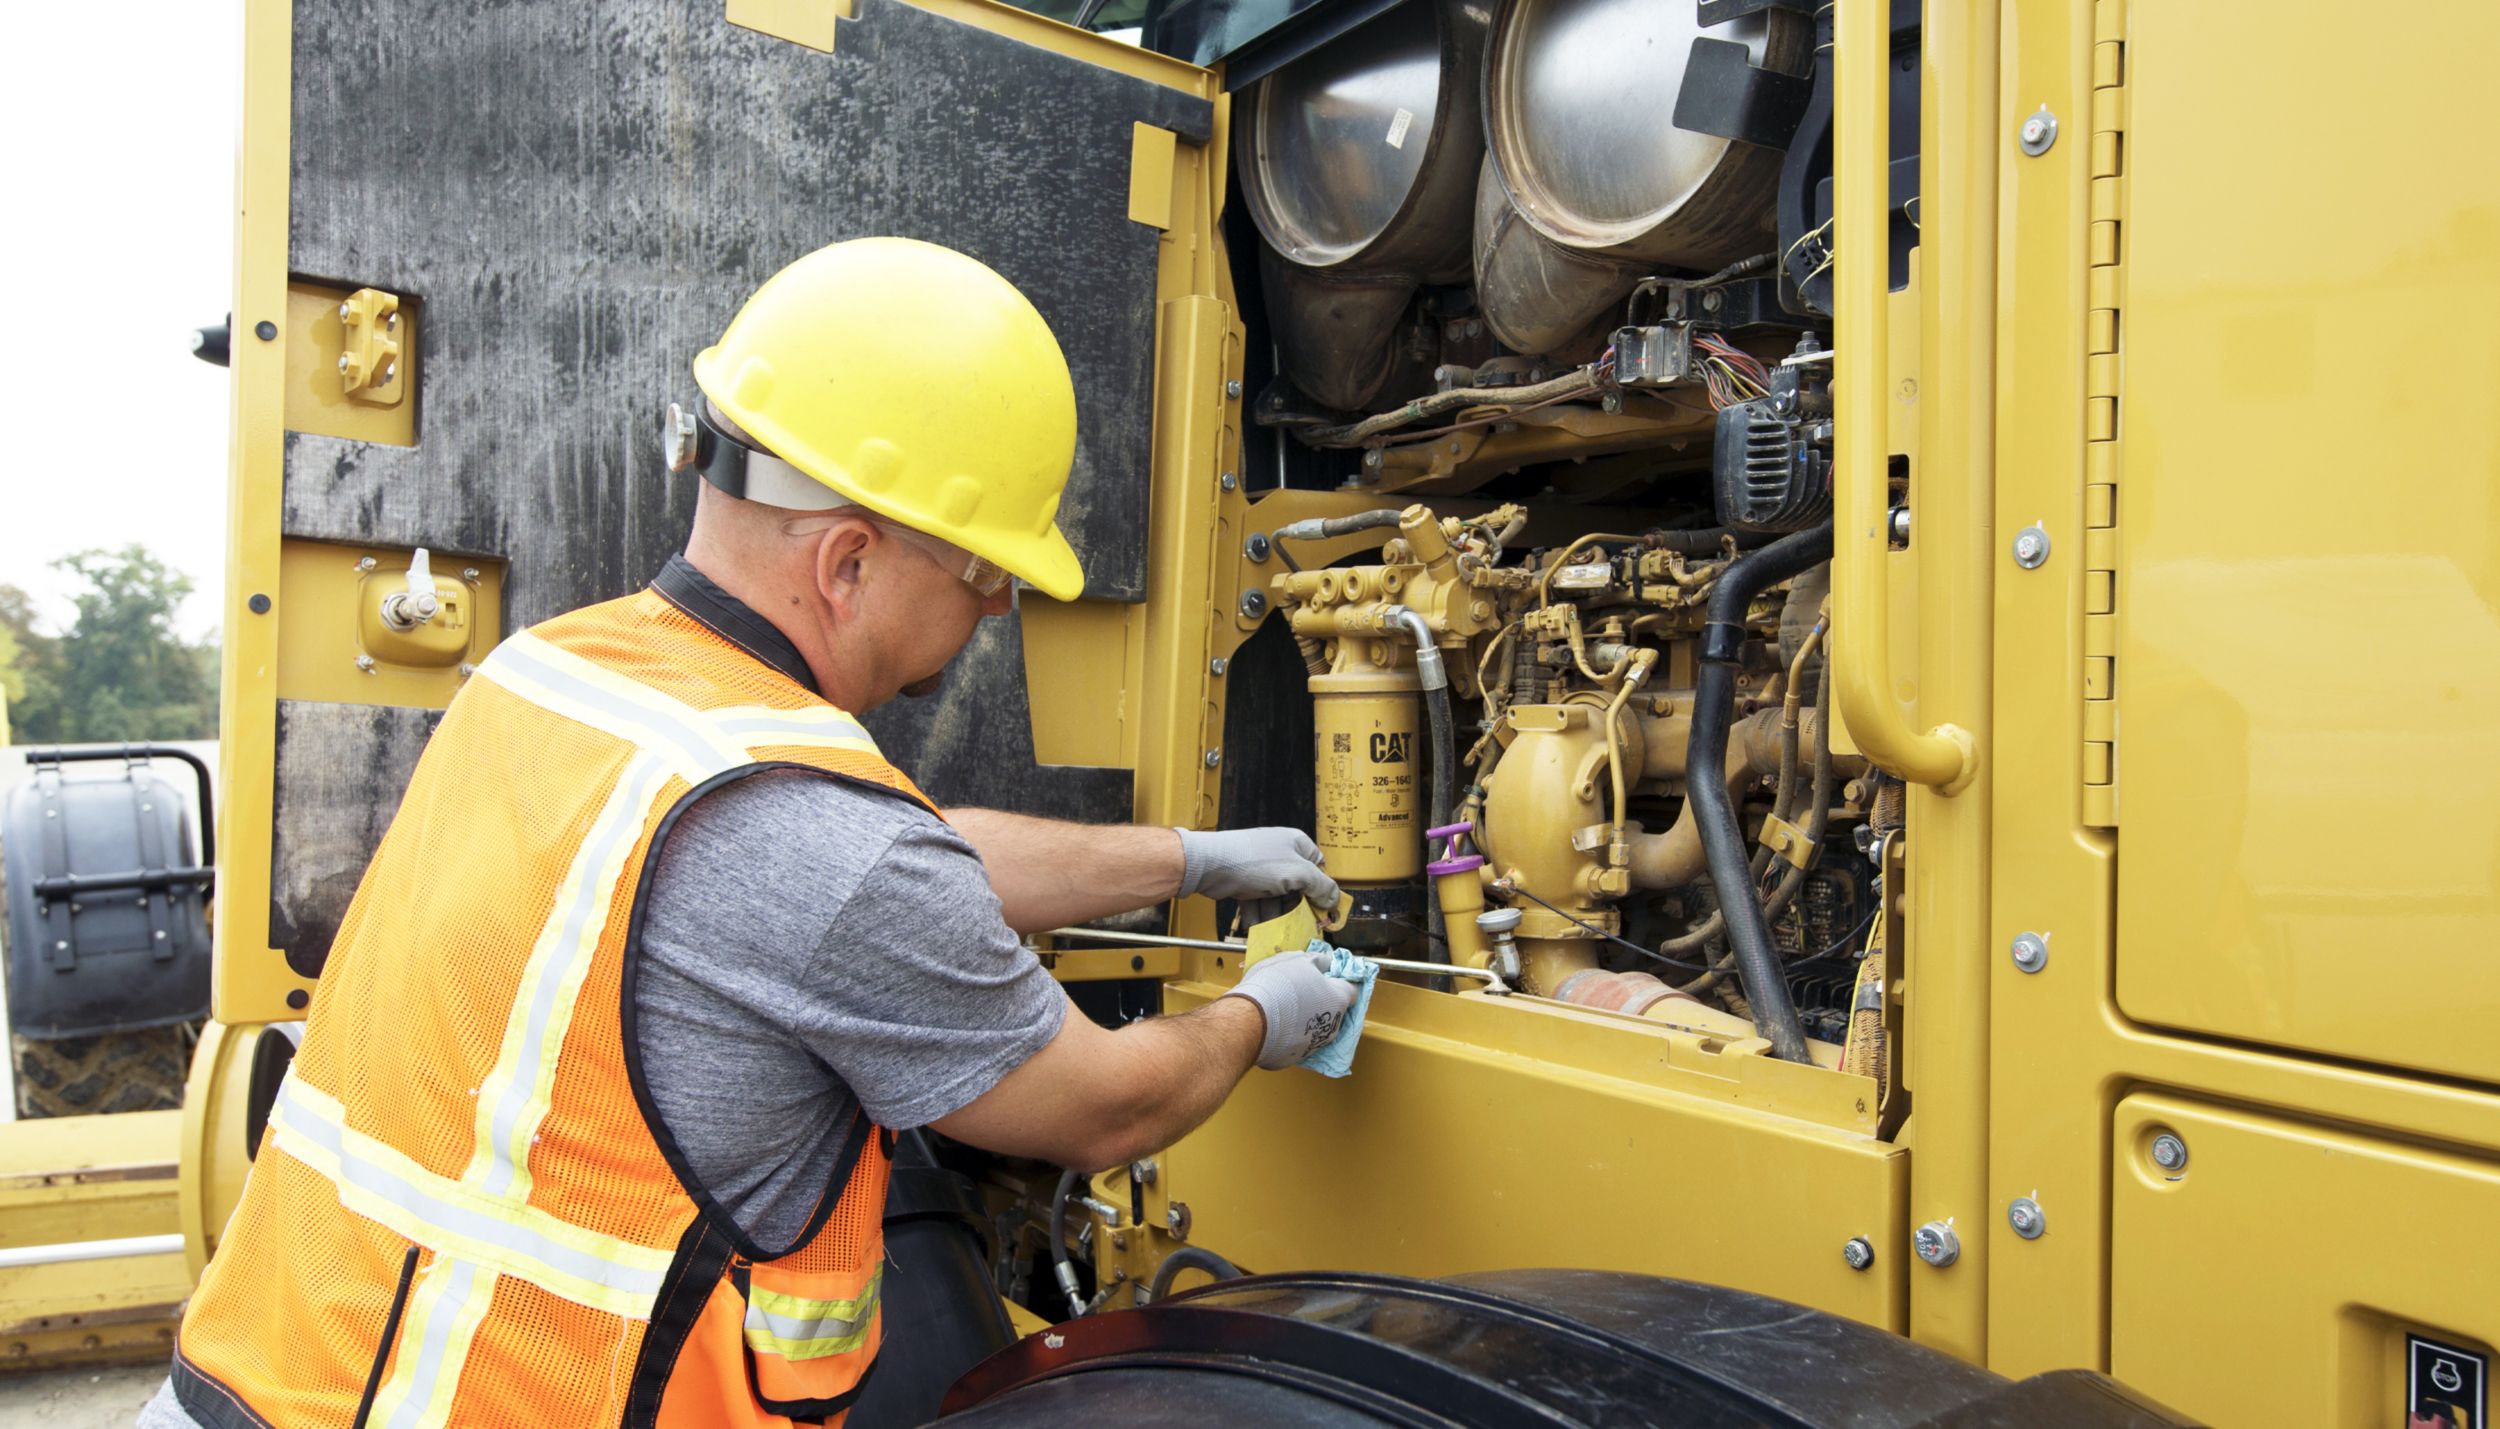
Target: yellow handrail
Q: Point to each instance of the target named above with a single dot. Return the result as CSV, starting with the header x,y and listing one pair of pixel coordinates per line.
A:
x,y
1860,649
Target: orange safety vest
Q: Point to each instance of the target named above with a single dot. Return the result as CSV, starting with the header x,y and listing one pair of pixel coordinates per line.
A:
x,y
464,1210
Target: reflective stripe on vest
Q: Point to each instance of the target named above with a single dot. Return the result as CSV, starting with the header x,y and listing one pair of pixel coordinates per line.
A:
x,y
797,1328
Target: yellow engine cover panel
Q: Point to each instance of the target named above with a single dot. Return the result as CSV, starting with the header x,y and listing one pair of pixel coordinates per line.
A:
x,y
2308,671
2274,1277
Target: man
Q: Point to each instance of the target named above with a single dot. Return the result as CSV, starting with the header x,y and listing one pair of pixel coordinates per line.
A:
x,y
592,1115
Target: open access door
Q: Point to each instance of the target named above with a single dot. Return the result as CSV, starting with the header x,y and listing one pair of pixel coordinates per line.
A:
x,y
478,248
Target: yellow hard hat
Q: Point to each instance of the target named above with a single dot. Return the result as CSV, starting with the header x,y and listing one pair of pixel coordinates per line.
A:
x,y
917,382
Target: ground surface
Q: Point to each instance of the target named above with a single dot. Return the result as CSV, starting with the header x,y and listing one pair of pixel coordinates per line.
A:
x,y
78,1398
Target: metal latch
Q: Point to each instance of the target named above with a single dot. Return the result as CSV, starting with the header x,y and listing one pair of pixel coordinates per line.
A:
x,y
369,353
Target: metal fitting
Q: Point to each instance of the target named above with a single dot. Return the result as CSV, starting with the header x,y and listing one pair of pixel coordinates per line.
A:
x,y
1936,1244
2039,132
1232,387
1254,603
1857,1252
2031,547
1428,666
1256,546
1218,665
2031,951
1228,481
1214,757
365,663
1176,1220
2027,1219
1900,524
2169,1152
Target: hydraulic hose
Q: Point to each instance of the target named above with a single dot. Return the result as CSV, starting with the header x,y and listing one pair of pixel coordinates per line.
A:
x,y
1442,726
1188,1257
1705,766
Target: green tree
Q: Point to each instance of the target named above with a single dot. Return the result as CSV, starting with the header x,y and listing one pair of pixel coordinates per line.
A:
x,y
121,672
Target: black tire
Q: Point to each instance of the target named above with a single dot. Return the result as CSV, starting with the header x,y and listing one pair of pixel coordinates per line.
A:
x,y
110,1072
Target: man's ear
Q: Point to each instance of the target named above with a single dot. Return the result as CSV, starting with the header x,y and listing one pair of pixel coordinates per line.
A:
x,y
841,570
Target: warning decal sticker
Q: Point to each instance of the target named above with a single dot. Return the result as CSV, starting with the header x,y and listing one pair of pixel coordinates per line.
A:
x,y
2445,1387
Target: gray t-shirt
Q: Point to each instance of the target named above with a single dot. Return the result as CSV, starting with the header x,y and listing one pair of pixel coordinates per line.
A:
x,y
808,942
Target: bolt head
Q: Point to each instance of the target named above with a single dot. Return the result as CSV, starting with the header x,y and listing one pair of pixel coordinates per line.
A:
x,y
2169,1152
2038,132
1937,1244
1256,546
365,663
1232,387
1901,524
1228,481
1218,665
1857,1252
1214,758
345,312
469,573
342,362
1254,603
2031,548
265,331
2031,951
1372,458
2026,1217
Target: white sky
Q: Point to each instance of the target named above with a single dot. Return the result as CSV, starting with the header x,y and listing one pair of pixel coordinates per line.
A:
x,y
122,185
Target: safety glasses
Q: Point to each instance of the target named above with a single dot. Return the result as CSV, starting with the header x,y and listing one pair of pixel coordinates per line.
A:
x,y
986,577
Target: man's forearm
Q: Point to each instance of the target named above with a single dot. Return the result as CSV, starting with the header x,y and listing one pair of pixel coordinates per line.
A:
x,y
1197,1058
1049,874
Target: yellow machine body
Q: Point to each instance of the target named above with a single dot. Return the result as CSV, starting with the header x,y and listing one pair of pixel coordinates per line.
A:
x,y
2223,753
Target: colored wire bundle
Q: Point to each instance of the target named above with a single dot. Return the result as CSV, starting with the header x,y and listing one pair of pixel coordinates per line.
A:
x,y
1732,374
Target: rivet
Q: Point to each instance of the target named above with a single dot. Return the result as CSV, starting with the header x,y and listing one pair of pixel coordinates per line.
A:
x,y
265,331
259,604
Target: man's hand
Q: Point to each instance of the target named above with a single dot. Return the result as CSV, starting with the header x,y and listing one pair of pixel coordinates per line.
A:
x,y
1253,864
1305,1007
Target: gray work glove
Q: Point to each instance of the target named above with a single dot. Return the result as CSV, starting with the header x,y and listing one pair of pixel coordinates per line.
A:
x,y
1304,1006
1254,864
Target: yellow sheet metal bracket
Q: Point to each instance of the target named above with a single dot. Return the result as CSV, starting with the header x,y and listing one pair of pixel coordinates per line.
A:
x,y
369,355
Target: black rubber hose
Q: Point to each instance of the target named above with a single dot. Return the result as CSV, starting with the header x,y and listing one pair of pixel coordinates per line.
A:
x,y
1444,811
1705,774
1188,1257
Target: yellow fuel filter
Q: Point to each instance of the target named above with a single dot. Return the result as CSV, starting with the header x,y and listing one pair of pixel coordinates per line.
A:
x,y
1370,814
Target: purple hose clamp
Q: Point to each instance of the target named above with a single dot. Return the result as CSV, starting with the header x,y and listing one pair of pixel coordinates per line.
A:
x,y
1459,863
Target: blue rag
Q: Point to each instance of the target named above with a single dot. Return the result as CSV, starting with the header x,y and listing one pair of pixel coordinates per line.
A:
x,y
1337,1058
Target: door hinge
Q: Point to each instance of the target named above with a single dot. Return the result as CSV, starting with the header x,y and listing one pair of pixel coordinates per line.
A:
x,y
2106,285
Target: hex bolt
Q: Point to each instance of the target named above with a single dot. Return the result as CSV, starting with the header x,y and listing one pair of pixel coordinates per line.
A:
x,y
1232,387
1857,1252
2169,1152
469,574
344,312
366,563
1936,1244
365,663
1214,758
2039,132
1228,481
1371,459
1256,547
1254,603
2031,547
467,669
1218,665
2027,1219
1177,1218
2031,951
342,362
